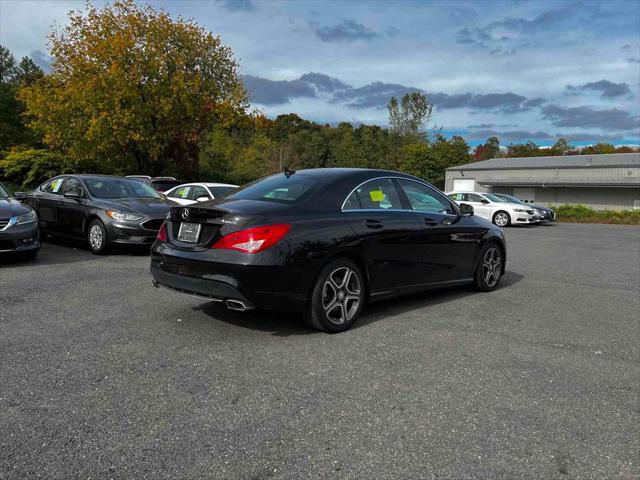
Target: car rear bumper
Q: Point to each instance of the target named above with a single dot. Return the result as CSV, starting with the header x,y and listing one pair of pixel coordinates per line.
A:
x,y
255,285
20,238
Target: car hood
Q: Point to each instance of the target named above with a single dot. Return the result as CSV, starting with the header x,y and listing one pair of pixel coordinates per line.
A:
x,y
11,207
541,208
151,207
514,205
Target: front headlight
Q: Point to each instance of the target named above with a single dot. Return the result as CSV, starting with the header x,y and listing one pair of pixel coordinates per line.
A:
x,y
26,218
124,217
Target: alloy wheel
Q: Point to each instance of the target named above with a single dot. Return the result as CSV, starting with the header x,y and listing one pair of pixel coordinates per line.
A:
x,y
502,219
95,237
341,295
491,266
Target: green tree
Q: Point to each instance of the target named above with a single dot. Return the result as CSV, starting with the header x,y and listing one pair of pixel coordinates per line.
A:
x,y
411,115
561,147
13,130
132,90
490,149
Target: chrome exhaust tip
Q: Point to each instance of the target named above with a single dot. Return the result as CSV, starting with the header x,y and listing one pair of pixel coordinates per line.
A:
x,y
237,305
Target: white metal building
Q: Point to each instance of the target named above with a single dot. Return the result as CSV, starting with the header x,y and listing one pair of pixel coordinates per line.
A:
x,y
602,182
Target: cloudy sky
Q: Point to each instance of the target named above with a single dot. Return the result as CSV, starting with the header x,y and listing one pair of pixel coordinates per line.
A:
x,y
523,70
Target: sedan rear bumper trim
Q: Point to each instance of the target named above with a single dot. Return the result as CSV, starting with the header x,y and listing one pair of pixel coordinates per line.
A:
x,y
210,289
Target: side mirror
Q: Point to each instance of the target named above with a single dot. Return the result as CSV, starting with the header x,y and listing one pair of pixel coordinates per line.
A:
x,y
20,196
466,210
202,199
484,201
74,194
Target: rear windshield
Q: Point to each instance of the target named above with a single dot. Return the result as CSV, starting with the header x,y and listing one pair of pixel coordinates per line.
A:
x,y
220,191
119,188
164,185
277,188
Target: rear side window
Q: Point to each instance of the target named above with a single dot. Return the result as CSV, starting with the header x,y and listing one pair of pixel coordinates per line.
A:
x,y
182,192
456,196
54,186
377,194
277,188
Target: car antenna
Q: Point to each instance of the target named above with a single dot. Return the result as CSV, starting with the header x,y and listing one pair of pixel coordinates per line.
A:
x,y
288,172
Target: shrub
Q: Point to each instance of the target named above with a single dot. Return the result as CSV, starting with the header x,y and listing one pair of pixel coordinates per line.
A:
x,y
584,214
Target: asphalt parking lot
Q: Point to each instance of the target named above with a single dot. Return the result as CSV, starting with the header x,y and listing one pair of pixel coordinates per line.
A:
x,y
104,376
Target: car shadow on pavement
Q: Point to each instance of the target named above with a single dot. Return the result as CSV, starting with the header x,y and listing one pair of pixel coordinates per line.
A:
x,y
279,324
419,300
284,324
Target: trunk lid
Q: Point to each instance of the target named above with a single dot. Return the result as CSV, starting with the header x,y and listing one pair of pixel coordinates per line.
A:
x,y
216,219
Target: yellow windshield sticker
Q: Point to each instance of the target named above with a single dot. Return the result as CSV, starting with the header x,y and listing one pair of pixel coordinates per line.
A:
x,y
376,195
55,186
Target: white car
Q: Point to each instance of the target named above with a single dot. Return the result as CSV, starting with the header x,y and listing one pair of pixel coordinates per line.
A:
x,y
190,193
495,209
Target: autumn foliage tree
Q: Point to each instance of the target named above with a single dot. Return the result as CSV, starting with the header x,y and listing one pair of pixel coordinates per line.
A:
x,y
133,90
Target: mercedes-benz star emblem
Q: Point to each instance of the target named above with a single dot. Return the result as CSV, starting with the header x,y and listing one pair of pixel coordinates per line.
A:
x,y
185,213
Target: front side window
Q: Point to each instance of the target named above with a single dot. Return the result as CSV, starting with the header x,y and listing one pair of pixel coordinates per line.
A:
x,y
379,194
73,186
119,188
199,192
424,199
458,197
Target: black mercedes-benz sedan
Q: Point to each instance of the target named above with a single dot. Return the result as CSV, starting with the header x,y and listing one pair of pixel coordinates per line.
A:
x,y
18,227
324,242
102,209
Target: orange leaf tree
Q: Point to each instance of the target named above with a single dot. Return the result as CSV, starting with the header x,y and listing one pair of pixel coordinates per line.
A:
x,y
133,90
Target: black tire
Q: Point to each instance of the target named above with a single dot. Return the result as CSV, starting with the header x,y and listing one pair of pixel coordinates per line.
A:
x,y
98,247
343,281
489,269
499,216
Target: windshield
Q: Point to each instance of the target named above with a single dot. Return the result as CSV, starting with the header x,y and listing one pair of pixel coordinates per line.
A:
x,y
220,191
509,198
277,188
164,185
119,188
3,192
493,198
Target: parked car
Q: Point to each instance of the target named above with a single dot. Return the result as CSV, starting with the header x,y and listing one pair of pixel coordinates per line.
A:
x,y
543,214
495,209
190,193
161,184
324,242
102,209
18,227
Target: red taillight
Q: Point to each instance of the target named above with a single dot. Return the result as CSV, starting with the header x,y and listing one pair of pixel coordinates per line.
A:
x,y
162,233
253,240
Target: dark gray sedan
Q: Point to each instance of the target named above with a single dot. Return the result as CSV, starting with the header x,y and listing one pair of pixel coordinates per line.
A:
x,y
18,227
105,210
